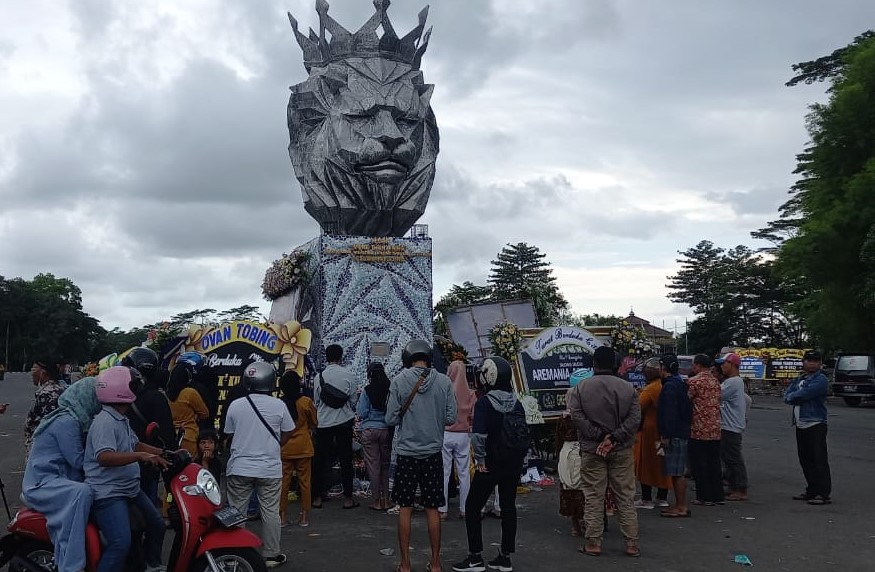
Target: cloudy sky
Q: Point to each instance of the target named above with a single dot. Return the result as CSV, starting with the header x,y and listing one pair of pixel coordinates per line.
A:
x,y
143,144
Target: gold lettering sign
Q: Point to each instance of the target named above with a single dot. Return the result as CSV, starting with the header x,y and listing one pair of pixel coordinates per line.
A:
x,y
377,250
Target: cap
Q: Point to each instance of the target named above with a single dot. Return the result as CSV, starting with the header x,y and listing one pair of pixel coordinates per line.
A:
x,y
729,358
812,355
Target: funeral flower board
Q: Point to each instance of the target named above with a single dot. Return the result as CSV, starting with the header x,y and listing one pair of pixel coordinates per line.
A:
x,y
547,361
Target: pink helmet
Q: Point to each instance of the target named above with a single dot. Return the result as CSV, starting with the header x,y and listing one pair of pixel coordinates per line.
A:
x,y
118,384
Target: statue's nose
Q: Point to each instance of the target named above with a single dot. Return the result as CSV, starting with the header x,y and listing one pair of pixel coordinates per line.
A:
x,y
386,130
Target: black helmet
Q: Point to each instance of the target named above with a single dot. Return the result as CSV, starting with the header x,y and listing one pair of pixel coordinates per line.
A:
x,y
496,372
143,360
260,377
416,350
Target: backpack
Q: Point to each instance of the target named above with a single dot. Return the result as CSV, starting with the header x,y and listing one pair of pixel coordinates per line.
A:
x,y
516,437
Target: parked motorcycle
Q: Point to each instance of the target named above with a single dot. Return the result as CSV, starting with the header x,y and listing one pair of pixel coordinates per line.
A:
x,y
208,536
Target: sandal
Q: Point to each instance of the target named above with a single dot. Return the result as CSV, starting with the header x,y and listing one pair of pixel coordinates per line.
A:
x,y
687,514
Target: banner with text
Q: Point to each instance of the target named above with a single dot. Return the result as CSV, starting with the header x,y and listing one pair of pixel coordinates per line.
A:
x,y
548,360
228,348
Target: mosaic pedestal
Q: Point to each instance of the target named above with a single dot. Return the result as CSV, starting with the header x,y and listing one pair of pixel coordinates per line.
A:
x,y
369,295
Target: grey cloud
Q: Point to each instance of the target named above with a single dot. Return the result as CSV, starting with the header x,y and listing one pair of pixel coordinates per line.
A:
x,y
759,201
218,229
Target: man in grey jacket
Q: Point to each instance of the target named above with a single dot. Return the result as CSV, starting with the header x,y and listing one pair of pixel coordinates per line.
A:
x,y
606,411
421,404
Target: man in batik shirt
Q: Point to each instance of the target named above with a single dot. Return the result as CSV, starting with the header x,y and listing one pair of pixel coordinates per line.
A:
x,y
45,377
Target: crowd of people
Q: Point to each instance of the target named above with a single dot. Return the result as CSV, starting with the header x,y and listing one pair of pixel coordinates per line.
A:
x,y
90,452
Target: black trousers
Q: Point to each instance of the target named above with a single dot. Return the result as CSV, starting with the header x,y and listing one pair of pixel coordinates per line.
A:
x,y
705,465
481,488
333,443
733,461
811,447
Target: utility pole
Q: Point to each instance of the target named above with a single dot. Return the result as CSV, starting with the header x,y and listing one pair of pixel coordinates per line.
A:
x,y
687,336
7,345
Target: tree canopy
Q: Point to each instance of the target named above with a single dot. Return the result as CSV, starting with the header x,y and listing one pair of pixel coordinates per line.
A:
x,y
44,317
825,237
519,272
738,298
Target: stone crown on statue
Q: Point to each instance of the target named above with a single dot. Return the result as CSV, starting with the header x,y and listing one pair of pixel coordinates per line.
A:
x,y
339,43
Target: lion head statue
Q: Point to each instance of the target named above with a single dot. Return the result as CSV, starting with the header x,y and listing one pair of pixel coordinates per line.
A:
x,y
363,136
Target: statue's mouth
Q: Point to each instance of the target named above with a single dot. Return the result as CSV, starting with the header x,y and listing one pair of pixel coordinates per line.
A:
x,y
385,171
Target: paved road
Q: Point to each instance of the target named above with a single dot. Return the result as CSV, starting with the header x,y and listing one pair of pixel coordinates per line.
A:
x,y
774,531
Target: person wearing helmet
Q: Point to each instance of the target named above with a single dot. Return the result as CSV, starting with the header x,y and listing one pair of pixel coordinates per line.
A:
x,y
498,463
151,406
421,405
112,457
187,406
203,379
335,393
258,425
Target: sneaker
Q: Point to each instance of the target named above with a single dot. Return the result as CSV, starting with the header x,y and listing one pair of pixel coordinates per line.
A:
x,y
644,505
662,503
158,568
274,561
501,563
818,500
803,497
473,563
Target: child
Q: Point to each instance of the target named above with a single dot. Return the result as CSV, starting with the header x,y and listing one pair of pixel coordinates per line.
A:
x,y
112,454
206,453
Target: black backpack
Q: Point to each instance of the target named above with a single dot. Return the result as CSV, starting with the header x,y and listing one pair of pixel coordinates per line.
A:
x,y
516,437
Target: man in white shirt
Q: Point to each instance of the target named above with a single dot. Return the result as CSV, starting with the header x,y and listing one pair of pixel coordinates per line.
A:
x,y
258,426
336,395
733,420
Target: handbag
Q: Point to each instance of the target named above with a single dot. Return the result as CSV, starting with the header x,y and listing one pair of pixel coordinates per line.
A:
x,y
331,396
570,465
257,412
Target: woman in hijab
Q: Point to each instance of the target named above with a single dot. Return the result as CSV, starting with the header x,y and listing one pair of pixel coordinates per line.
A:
x,y
648,465
457,438
53,476
376,436
297,453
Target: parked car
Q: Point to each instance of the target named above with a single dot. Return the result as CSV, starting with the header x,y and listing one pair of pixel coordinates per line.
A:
x,y
686,366
855,378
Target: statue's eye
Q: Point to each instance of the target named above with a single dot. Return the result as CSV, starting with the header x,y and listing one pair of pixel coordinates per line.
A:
x,y
409,120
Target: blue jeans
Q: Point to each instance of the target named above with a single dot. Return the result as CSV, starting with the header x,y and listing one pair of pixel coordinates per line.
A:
x,y
114,522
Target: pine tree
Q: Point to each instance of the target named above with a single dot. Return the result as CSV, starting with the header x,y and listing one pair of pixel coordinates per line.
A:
x,y
520,272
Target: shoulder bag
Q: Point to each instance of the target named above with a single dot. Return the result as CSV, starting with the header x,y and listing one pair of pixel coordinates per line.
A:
x,y
266,426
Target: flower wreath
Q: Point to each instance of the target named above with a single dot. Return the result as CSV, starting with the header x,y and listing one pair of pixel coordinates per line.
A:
x,y
285,274
506,340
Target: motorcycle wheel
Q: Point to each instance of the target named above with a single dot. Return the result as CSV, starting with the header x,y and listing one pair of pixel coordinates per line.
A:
x,y
234,560
38,553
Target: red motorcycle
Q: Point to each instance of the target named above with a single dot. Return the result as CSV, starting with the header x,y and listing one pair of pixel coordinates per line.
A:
x,y
208,537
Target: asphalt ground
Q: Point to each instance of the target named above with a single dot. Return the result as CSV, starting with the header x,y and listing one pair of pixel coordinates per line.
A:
x,y
775,532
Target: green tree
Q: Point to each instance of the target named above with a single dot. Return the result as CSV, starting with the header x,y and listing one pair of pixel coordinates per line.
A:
x,y
520,272
245,312
737,296
831,213
44,316
466,294
588,320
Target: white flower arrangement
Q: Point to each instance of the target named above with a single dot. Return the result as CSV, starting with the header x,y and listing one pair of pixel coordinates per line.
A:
x,y
285,274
